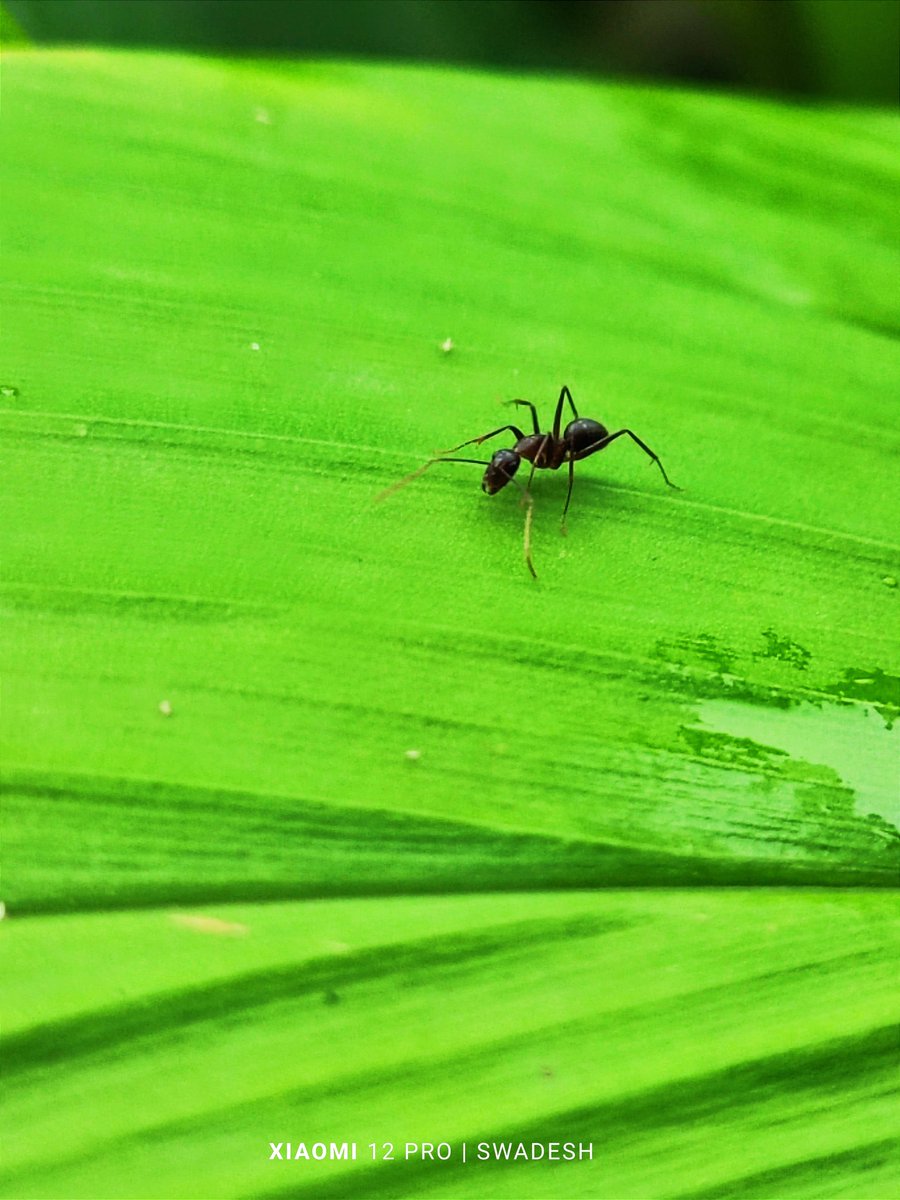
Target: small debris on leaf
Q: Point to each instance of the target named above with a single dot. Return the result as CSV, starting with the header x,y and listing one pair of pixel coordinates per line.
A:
x,y
201,924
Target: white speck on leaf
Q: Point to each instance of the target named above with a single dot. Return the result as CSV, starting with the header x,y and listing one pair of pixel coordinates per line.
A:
x,y
165,708
447,345
201,924
337,947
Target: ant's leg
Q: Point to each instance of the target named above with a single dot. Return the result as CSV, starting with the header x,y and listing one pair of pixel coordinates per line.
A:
x,y
527,539
564,395
527,404
485,436
395,487
568,395
527,491
527,502
604,442
568,493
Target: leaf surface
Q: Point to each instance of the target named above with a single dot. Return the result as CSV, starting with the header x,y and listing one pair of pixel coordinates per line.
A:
x,y
332,823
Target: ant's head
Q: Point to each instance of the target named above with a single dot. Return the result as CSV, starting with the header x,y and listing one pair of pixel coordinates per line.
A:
x,y
500,471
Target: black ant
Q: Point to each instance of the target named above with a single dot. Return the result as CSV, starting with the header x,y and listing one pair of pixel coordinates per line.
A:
x,y
545,451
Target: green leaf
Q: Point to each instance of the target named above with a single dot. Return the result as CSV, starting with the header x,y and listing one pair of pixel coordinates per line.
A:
x,y
11,32
315,805
702,1044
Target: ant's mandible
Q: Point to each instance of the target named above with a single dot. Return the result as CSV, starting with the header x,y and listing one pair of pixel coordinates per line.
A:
x,y
545,451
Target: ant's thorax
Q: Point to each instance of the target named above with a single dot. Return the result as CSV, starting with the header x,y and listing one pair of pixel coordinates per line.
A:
x,y
542,449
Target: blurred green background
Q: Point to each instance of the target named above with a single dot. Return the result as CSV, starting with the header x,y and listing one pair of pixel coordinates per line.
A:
x,y
835,49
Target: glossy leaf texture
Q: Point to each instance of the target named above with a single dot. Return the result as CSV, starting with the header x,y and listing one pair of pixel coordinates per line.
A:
x,y
324,821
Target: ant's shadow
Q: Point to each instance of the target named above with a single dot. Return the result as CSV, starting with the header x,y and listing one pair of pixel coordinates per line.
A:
x,y
590,496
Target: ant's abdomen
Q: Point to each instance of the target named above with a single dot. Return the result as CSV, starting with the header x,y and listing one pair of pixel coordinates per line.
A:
x,y
583,433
